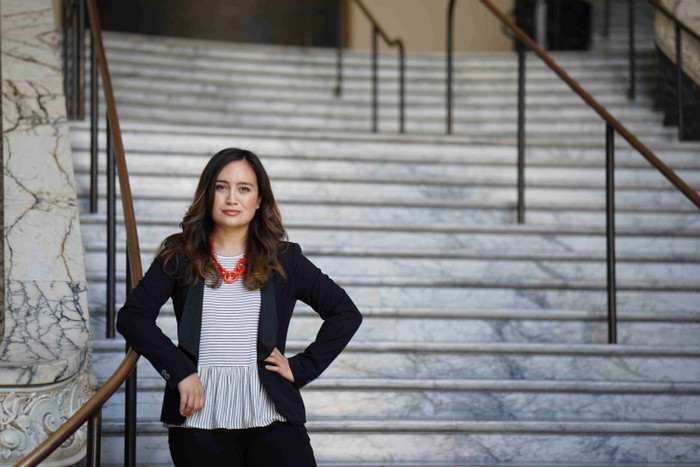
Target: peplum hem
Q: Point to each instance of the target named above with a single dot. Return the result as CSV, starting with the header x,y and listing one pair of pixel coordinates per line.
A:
x,y
234,398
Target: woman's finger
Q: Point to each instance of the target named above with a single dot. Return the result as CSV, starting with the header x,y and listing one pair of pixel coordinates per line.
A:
x,y
279,364
183,404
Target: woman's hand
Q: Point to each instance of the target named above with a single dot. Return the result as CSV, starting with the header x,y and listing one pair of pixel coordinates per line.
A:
x,y
191,395
279,364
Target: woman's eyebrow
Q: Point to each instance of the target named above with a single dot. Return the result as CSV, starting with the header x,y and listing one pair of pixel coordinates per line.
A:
x,y
222,181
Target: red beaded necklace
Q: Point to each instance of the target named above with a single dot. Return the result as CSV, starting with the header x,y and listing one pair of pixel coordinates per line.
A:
x,y
228,276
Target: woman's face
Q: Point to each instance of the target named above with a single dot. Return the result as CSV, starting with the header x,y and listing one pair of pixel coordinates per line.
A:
x,y
235,197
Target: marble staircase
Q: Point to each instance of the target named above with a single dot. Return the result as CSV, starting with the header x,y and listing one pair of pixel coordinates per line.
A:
x,y
484,341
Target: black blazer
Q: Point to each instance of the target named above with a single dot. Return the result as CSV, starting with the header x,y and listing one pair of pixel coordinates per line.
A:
x,y
304,281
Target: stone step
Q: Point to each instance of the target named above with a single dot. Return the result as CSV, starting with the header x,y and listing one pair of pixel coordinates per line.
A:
x,y
475,273
161,140
127,64
435,218
481,361
165,52
523,326
594,139
572,130
420,195
217,137
466,245
486,296
379,399
462,443
274,55
389,172
505,98
172,97
466,120
232,51
488,91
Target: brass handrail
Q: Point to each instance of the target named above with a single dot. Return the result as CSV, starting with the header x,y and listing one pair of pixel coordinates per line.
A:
x,y
375,22
648,154
94,404
377,30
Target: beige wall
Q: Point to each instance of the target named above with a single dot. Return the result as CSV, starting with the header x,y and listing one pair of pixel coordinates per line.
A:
x,y
57,12
422,25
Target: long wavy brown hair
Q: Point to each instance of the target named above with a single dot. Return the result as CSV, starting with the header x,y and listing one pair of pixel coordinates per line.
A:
x,y
266,233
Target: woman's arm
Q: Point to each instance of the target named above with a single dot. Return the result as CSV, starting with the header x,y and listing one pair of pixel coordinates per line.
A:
x,y
341,318
136,321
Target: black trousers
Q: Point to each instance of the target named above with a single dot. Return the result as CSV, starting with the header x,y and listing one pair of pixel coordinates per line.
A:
x,y
280,444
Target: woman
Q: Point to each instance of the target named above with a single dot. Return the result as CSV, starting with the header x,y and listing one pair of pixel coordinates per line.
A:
x,y
232,396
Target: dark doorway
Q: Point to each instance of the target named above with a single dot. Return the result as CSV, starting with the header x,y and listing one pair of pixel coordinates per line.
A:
x,y
288,22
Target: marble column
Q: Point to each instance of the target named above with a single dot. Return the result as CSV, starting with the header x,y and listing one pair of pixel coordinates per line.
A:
x,y
2,218
45,369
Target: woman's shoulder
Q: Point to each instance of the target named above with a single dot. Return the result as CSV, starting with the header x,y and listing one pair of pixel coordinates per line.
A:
x,y
288,251
171,256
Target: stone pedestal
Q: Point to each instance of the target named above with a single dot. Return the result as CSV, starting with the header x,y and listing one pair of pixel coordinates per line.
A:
x,y
45,371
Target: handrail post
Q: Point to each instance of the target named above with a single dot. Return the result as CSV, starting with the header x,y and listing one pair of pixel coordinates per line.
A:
x,y
377,31
679,83
111,235
94,439
130,393
75,67
81,59
402,89
375,78
450,45
632,91
130,404
339,50
557,24
606,18
66,51
521,132
94,125
610,230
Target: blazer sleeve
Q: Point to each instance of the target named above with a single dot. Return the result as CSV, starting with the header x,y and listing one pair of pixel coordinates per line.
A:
x,y
341,318
136,321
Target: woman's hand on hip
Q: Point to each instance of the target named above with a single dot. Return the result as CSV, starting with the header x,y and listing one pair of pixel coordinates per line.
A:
x,y
191,395
279,364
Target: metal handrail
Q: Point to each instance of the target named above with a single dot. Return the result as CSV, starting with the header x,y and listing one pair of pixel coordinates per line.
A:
x,y
647,153
377,31
680,25
612,126
91,411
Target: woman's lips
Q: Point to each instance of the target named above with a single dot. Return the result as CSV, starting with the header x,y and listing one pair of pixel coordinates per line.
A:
x,y
231,212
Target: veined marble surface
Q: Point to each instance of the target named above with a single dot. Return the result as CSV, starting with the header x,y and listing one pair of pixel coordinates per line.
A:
x,y
46,343
47,336
46,294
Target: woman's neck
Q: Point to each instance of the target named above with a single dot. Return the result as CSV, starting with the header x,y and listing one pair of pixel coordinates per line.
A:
x,y
229,243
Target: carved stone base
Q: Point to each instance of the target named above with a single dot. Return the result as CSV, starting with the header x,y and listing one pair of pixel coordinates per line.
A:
x,y
29,414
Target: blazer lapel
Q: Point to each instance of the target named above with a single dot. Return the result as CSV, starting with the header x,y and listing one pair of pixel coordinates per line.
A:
x,y
267,327
191,321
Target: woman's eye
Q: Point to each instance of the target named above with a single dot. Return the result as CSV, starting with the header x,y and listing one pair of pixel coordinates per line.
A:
x,y
220,187
245,189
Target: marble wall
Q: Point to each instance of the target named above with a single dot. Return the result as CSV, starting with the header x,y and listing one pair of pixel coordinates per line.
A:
x,y
45,369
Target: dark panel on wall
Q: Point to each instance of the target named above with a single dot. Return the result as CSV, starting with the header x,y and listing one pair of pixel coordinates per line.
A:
x,y
568,25
289,22
666,98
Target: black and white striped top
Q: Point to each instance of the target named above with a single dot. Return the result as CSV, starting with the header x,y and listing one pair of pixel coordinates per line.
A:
x,y
233,395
